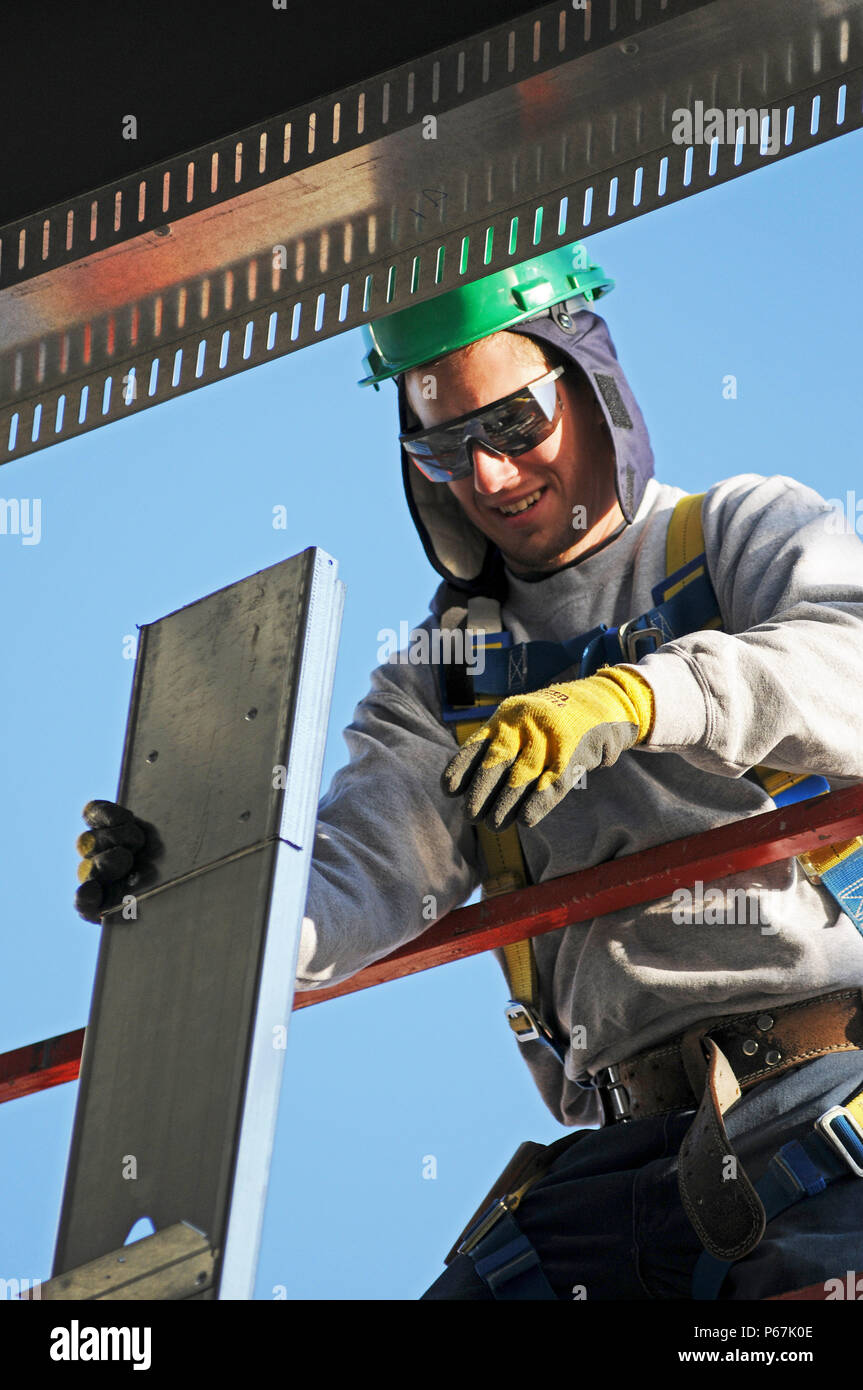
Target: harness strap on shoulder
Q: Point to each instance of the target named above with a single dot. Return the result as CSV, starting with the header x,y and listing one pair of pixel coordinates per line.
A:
x,y
502,852
506,869
838,867
685,537
684,602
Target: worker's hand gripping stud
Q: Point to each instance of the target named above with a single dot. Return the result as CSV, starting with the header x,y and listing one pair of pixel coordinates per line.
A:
x,y
534,748
117,856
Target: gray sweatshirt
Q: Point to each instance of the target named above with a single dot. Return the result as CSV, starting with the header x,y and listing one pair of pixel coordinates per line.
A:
x,y
780,685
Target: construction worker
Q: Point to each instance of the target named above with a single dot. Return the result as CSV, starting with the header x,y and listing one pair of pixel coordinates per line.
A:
x,y
703,1051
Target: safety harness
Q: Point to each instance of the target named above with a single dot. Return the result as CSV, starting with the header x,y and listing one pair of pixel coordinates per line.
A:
x,y
683,602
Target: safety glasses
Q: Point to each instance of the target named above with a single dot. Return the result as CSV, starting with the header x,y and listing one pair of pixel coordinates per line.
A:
x,y
511,426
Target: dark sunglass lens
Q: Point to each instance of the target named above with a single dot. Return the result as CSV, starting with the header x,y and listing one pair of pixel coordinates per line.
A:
x,y
521,432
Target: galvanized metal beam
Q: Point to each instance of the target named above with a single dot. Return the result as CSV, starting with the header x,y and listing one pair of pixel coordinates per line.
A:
x,y
190,73
184,1047
446,76
547,129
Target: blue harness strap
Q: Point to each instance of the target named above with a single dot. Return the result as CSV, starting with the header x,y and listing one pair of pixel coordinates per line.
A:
x,y
684,602
519,668
504,1258
508,1263
845,882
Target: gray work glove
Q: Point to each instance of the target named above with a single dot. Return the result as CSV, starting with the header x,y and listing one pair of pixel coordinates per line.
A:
x,y
117,855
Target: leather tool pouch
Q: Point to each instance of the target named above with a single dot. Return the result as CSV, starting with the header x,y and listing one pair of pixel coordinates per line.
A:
x,y
720,1201
529,1160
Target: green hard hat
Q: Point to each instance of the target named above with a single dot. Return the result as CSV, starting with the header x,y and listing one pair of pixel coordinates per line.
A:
x,y
425,331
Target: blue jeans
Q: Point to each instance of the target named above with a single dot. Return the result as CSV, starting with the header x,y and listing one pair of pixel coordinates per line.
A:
x,y
607,1222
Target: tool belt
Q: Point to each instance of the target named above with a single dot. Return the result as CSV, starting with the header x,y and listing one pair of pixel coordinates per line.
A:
x,y
707,1068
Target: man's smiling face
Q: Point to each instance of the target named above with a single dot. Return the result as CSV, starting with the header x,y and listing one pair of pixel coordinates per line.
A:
x,y
572,469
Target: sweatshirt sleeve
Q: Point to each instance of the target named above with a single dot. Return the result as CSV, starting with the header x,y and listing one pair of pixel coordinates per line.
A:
x,y
781,684
392,853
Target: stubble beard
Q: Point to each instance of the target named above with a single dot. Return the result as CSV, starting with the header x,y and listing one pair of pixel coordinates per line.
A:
x,y
541,552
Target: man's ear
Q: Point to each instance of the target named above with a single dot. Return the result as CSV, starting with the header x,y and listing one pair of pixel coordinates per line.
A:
x,y
585,392
598,413
412,420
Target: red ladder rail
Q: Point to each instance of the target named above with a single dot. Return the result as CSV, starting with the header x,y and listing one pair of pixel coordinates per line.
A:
x,y
619,883
626,882
40,1065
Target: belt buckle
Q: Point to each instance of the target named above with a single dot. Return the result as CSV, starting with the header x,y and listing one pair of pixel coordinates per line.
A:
x,y
613,1095
853,1153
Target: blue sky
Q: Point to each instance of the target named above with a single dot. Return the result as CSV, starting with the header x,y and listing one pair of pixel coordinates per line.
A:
x,y
759,278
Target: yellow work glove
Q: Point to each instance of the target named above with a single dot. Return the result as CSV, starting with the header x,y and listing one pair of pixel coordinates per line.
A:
x,y
534,748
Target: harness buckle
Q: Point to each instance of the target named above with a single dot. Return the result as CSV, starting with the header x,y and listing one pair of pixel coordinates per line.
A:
x,y
527,1025
840,1129
629,639
613,1096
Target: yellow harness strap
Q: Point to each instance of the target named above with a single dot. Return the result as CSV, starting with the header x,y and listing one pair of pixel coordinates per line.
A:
x,y
506,871
503,853
685,541
685,538
855,1105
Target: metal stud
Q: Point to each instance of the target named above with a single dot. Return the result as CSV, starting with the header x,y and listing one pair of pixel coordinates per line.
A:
x,y
772,1057
764,1021
750,1046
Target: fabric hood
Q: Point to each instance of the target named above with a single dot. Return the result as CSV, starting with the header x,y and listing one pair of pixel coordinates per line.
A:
x,y
468,561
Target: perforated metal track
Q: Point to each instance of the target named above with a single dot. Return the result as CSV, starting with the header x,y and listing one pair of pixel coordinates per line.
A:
x,y
548,128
